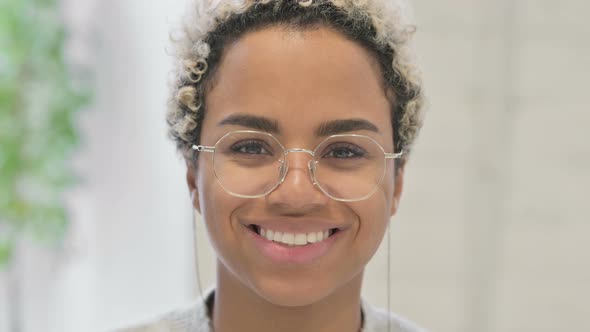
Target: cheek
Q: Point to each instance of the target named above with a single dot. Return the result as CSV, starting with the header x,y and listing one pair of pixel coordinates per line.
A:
x,y
374,220
216,207
375,213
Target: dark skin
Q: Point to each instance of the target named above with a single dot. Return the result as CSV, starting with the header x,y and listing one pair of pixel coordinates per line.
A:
x,y
299,80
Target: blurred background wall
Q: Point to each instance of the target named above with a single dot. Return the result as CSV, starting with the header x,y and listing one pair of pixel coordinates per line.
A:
x,y
493,231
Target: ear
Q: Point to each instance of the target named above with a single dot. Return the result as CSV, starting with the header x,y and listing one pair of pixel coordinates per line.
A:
x,y
191,181
398,188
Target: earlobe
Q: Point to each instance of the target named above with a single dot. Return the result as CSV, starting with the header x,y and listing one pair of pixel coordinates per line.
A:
x,y
397,192
195,200
394,206
191,182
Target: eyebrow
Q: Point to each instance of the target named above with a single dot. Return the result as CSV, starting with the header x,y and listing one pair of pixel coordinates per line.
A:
x,y
335,127
327,128
252,121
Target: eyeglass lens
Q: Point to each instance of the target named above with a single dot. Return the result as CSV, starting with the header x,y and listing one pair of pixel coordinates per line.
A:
x,y
346,167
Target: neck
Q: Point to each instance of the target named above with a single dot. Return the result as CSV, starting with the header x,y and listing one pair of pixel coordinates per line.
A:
x,y
238,308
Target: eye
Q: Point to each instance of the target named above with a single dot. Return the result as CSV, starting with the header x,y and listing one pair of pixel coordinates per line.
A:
x,y
344,151
252,147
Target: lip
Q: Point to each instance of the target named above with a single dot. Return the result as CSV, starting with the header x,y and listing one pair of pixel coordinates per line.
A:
x,y
283,254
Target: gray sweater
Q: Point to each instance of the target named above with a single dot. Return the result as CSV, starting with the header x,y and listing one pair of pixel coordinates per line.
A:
x,y
195,318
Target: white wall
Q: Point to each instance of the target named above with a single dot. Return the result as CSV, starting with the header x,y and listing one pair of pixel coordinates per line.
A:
x,y
493,232
141,260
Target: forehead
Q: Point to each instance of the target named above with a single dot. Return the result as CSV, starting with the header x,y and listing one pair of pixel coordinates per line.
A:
x,y
300,79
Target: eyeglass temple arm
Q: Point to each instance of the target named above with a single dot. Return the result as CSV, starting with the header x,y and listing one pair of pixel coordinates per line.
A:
x,y
394,155
203,148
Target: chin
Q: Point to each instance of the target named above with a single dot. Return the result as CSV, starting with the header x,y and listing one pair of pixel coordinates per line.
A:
x,y
287,293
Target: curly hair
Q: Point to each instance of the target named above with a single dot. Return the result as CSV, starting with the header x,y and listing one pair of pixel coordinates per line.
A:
x,y
377,25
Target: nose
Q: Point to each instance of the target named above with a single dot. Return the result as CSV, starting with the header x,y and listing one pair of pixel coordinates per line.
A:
x,y
297,193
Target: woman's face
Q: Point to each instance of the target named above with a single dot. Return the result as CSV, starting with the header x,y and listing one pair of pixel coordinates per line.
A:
x,y
298,81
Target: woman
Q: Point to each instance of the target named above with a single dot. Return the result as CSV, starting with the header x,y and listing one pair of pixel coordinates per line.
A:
x,y
295,119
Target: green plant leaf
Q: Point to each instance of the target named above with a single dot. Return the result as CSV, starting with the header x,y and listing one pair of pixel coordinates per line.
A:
x,y
6,249
38,102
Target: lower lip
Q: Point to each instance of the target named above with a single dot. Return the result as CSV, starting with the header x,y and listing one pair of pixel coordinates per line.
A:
x,y
284,254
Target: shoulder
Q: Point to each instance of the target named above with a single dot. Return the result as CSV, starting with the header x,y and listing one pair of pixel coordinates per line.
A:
x,y
378,320
192,317
181,320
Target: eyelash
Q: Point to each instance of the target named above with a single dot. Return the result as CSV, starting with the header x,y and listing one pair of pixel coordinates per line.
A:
x,y
352,150
249,144
356,151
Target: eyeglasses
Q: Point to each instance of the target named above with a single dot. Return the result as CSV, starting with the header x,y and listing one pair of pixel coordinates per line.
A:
x,y
251,164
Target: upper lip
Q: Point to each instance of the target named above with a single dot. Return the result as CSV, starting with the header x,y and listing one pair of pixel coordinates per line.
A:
x,y
294,225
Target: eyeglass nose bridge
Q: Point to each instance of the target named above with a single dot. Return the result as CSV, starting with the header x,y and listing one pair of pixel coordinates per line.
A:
x,y
311,164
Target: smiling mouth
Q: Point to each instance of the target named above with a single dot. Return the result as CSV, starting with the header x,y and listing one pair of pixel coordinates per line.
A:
x,y
293,239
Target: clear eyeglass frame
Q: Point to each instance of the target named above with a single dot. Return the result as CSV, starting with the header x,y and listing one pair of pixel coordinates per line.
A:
x,y
312,164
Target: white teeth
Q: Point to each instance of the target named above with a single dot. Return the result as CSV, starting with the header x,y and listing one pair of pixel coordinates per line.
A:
x,y
278,236
291,239
300,239
288,238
